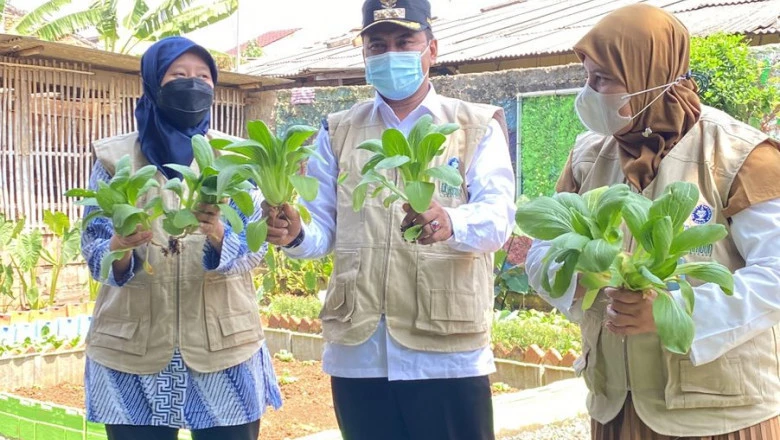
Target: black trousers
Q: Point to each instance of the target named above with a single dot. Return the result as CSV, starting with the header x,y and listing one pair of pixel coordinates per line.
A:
x,y
249,431
433,409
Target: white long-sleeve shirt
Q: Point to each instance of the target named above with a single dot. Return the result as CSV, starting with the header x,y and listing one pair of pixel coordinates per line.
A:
x,y
721,322
481,225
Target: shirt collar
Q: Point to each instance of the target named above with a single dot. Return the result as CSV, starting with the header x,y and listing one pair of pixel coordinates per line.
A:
x,y
431,104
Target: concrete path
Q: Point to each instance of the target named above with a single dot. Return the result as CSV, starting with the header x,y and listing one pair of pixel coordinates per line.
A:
x,y
522,411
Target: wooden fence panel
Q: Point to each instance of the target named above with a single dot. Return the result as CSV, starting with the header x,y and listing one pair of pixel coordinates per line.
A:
x,y
50,113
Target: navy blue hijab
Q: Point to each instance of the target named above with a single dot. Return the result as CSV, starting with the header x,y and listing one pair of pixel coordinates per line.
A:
x,y
161,142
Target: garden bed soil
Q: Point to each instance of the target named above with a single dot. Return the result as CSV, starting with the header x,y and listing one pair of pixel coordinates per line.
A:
x,y
307,409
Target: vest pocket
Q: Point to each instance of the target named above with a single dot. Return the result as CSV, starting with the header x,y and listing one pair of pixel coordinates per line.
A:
x,y
448,295
231,313
122,319
718,384
340,297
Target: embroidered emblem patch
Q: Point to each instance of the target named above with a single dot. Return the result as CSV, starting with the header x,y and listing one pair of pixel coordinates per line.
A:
x,y
702,214
447,190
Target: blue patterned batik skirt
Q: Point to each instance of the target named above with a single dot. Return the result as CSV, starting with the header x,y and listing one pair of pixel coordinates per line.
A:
x,y
179,397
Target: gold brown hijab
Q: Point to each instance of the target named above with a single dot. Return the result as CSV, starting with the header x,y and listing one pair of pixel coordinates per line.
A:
x,y
646,47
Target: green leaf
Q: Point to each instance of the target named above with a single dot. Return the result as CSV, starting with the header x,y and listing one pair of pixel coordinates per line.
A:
x,y
589,298
675,326
652,278
225,178
687,293
421,128
188,173
142,176
709,272
342,177
662,239
371,164
420,195
446,174
122,174
598,255
697,236
359,196
201,149
306,186
447,129
244,202
372,145
296,135
236,223
108,260
304,213
411,234
256,233
226,160
573,201
391,162
636,214
429,146
122,213
678,201
108,197
185,218
389,200
610,206
219,144
592,198
154,206
395,144
570,241
58,222
260,133
170,228
176,186
544,218
564,275
80,192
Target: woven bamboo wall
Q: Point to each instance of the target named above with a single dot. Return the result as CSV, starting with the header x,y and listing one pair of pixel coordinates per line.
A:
x,y
50,113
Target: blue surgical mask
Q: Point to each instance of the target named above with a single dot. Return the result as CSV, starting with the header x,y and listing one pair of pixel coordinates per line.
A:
x,y
395,75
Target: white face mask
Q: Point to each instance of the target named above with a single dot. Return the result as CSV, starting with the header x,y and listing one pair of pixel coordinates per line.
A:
x,y
600,112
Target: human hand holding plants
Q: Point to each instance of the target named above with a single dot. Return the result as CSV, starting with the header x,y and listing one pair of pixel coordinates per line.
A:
x,y
434,225
211,225
284,223
629,312
127,243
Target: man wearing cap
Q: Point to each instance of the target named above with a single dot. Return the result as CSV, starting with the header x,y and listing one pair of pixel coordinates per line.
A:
x,y
407,325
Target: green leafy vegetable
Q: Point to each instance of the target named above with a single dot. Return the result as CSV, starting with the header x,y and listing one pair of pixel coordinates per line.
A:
x,y
586,238
276,165
412,157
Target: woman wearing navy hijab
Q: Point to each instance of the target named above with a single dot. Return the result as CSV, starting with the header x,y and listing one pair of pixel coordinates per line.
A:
x,y
181,348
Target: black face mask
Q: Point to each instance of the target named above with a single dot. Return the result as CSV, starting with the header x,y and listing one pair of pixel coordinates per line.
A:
x,y
185,102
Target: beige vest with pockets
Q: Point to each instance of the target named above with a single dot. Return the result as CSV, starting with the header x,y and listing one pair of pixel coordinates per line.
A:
x,y
212,318
434,298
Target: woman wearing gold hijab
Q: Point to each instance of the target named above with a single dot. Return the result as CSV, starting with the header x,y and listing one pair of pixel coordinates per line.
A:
x,y
649,129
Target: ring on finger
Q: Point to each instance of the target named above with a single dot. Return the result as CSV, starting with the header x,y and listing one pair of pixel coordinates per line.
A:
x,y
435,226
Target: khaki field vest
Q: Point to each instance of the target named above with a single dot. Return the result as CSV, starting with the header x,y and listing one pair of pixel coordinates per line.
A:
x,y
212,318
671,395
434,298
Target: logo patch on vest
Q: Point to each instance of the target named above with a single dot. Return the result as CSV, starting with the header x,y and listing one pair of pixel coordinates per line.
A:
x,y
702,214
448,190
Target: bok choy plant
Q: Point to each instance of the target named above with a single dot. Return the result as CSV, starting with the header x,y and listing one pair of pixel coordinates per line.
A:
x,y
411,156
117,200
276,166
586,238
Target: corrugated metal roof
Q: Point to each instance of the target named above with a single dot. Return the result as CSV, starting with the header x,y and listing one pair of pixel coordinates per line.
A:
x,y
533,27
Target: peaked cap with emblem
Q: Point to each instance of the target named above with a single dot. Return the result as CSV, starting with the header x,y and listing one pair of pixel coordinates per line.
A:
x,y
411,14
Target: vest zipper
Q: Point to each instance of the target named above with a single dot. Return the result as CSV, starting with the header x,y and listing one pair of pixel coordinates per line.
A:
x,y
625,338
387,250
178,306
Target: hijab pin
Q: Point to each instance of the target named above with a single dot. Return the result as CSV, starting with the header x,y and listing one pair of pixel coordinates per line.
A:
x,y
647,132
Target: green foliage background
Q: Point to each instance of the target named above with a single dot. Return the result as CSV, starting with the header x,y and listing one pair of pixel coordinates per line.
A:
x,y
735,80
548,126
